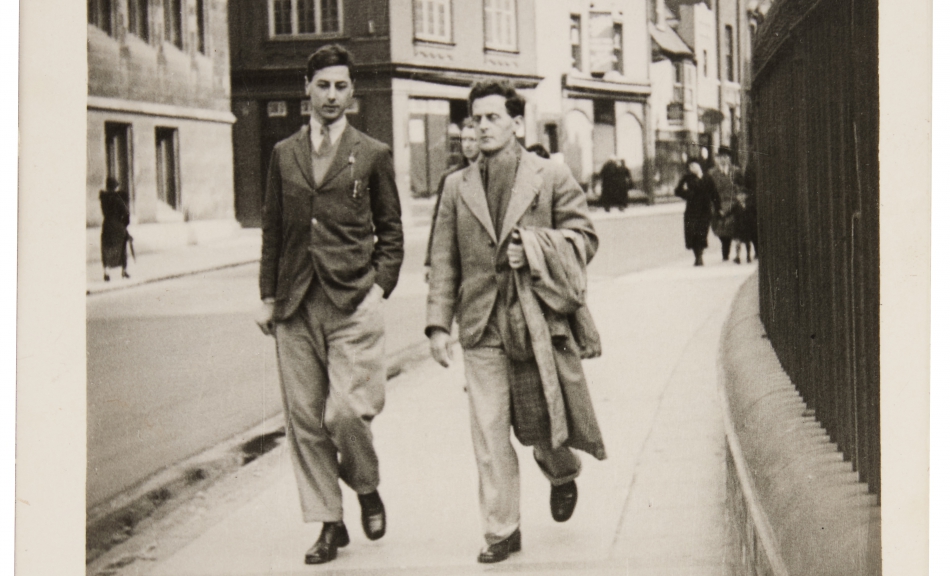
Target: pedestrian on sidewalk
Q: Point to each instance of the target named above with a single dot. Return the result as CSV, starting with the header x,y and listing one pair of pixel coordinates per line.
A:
x,y
116,217
470,154
473,257
696,188
725,178
330,189
615,184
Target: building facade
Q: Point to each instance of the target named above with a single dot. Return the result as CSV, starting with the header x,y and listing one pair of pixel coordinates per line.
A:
x,y
415,62
593,103
159,119
674,100
719,33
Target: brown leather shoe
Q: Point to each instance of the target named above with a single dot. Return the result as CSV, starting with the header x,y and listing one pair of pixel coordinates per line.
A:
x,y
501,550
563,500
373,515
333,536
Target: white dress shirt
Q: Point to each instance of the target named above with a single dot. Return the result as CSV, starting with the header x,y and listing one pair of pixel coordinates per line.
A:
x,y
336,130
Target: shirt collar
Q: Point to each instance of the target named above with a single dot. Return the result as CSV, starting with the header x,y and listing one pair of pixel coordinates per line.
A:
x,y
336,130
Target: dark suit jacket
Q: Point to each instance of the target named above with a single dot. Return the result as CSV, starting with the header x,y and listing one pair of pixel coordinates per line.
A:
x,y
328,230
469,260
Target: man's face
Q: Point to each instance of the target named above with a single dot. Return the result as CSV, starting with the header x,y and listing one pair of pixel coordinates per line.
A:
x,y
331,92
469,143
496,128
696,169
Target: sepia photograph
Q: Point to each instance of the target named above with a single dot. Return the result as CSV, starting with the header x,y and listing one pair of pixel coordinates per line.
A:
x,y
447,287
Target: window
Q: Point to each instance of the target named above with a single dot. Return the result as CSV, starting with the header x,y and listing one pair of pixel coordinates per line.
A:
x,y
138,18
173,20
276,109
166,164
730,48
618,48
305,17
119,154
102,15
606,44
200,25
433,20
678,78
500,25
576,42
705,64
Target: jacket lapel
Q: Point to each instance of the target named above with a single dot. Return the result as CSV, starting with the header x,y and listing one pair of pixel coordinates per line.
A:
x,y
302,152
473,194
525,192
347,147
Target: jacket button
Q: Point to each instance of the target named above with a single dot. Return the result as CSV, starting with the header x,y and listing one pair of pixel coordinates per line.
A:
x,y
313,221
491,243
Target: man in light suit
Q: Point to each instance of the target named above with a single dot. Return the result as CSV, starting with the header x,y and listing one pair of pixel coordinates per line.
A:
x,y
472,251
330,190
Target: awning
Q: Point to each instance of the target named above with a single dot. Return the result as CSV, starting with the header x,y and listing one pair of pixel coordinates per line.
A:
x,y
669,42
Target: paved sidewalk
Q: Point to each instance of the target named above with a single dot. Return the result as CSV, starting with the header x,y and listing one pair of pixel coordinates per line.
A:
x,y
654,507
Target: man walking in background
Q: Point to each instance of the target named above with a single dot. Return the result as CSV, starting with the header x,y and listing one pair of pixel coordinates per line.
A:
x,y
725,178
330,190
475,250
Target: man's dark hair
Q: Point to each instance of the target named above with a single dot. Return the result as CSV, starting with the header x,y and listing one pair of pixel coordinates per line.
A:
x,y
514,102
329,55
724,151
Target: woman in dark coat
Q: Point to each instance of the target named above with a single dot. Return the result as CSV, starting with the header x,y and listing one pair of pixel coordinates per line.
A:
x,y
115,228
699,193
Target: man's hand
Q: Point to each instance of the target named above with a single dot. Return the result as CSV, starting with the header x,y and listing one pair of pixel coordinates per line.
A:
x,y
265,317
440,347
516,257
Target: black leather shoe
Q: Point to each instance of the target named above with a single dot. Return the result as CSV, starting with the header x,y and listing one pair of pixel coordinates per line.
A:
x,y
563,500
333,536
373,515
501,550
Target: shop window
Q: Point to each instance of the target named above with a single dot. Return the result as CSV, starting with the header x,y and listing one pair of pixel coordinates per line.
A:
x,y
433,20
138,18
166,164
119,155
501,26
305,17
101,13
173,22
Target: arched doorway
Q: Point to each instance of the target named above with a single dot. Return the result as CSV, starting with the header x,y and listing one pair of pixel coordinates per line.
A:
x,y
630,145
578,145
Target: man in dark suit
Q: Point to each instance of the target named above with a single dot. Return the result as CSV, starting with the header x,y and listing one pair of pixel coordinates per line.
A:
x,y
472,251
330,190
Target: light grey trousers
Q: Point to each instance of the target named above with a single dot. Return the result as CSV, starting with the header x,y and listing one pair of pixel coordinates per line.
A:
x,y
486,374
333,378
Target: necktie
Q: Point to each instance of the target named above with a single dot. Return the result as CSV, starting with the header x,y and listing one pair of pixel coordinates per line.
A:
x,y
325,145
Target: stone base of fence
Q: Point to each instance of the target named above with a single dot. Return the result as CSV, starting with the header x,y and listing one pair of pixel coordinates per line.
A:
x,y
796,506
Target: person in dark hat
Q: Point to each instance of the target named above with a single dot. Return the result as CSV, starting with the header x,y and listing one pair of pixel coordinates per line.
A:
x,y
115,228
698,191
726,179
